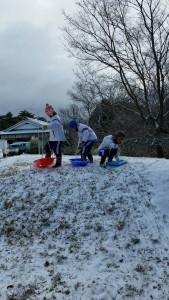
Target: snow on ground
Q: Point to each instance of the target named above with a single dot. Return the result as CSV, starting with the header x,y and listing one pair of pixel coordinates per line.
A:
x,y
84,233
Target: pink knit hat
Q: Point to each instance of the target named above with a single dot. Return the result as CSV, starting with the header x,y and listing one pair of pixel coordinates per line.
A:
x,y
49,108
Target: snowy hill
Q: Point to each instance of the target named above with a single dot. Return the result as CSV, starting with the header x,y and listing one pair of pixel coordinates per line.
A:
x,y
84,233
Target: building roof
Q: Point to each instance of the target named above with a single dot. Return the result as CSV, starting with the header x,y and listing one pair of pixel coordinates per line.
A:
x,y
28,121
27,126
22,131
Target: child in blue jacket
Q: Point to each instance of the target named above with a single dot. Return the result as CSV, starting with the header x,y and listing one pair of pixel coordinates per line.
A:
x,y
87,138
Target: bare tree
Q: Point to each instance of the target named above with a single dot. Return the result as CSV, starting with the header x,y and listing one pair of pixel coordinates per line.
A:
x,y
85,90
130,39
91,88
71,112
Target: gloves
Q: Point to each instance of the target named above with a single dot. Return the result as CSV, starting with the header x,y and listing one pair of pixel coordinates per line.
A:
x,y
79,150
44,127
81,144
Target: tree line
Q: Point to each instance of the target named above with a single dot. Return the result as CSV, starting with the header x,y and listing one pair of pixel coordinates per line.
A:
x,y
9,119
122,47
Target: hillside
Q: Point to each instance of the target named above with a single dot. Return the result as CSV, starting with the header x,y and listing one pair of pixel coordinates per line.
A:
x,y
84,233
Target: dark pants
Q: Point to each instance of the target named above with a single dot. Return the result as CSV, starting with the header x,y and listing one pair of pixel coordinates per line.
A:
x,y
53,146
107,153
86,151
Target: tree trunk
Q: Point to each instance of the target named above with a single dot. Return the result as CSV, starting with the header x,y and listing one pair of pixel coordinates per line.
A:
x,y
159,150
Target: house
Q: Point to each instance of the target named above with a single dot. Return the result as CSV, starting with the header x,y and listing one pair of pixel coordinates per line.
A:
x,y
24,131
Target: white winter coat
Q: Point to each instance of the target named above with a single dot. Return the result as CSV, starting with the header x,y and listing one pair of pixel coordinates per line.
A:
x,y
56,129
108,143
85,133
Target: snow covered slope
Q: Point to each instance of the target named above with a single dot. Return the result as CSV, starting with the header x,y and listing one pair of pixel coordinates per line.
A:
x,y
84,233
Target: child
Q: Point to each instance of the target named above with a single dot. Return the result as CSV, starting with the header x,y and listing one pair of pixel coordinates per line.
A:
x,y
57,136
109,147
87,138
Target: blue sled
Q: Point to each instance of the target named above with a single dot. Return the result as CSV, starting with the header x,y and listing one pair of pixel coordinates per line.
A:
x,y
116,163
77,162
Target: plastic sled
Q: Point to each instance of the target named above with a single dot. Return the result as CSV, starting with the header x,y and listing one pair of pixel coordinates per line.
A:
x,y
77,162
116,163
43,162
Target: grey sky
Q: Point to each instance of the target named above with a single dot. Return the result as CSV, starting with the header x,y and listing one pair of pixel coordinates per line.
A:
x,y
34,67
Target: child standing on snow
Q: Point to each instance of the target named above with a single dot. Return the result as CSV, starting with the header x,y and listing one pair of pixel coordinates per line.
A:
x,y
109,147
57,136
87,138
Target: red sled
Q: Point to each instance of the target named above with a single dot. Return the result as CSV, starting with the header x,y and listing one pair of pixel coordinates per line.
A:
x,y
44,162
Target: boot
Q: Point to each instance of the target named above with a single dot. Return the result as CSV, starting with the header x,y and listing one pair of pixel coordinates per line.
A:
x,y
113,152
102,162
83,157
90,157
58,162
47,155
110,159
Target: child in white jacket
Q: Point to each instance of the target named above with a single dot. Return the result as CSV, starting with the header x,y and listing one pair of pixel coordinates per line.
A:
x,y
109,147
57,136
87,138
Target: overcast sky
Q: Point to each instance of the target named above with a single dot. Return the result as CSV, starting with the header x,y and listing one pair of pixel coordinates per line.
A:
x,y
34,67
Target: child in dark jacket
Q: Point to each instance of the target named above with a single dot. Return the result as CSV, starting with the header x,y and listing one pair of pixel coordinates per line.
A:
x,y
57,136
109,147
